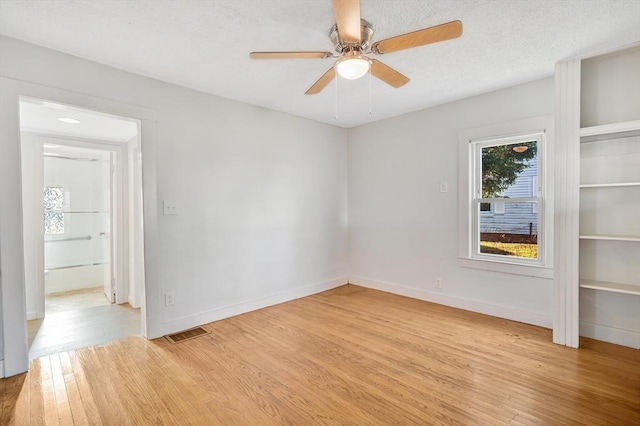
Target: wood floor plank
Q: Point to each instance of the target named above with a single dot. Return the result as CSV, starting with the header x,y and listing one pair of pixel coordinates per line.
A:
x,y
161,387
14,400
224,402
133,381
73,394
36,400
346,356
106,399
60,390
84,389
22,416
48,392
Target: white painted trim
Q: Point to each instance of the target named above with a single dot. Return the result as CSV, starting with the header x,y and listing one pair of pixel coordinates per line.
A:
x,y
217,314
32,315
506,268
567,181
506,312
151,297
1,368
613,335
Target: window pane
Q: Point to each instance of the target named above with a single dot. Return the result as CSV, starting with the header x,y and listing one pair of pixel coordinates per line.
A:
x,y
53,198
513,233
53,215
485,207
53,222
509,170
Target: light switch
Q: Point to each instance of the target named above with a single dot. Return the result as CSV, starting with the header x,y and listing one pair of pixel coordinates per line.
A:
x,y
170,207
443,186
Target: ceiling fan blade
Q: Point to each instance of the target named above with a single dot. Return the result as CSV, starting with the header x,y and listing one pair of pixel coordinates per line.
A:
x,y
419,38
347,13
388,74
322,82
290,55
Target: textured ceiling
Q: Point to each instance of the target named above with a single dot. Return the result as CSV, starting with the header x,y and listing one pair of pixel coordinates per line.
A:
x,y
205,44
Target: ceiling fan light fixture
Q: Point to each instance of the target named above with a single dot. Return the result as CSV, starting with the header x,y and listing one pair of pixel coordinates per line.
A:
x,y
352,67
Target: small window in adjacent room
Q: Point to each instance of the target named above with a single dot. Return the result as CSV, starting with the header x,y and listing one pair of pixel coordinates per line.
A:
x,y
485,207
505,173
53,213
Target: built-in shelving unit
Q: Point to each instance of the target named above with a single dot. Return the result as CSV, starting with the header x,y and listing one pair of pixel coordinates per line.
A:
x,y
609,197
610,157
597,198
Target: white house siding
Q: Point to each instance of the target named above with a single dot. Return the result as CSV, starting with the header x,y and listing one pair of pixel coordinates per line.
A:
x,y
517,216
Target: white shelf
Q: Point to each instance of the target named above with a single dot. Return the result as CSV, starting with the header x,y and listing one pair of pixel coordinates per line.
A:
x,y
610,131
613,287
611,237
609,185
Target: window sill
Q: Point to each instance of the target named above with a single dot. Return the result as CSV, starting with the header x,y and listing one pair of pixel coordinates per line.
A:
x,y
507,267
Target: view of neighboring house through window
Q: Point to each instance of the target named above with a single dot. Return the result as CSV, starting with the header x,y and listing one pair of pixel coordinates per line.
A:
x,y
53,212
507,198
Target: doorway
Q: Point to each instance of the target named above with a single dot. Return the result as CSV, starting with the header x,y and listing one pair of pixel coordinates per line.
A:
x,y
82,271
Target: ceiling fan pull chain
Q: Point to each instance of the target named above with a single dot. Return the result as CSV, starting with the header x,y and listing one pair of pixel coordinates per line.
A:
x,y
370,101
336,111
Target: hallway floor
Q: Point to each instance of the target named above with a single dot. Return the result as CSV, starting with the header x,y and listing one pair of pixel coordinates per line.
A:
x,y
78,319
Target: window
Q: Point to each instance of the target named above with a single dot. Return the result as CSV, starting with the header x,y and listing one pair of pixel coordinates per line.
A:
x,y
53,213
507,222
503,171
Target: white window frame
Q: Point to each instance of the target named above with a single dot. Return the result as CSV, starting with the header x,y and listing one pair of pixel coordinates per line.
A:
x,y
543,266
476,147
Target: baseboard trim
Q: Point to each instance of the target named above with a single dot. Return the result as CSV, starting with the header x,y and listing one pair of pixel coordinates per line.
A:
x,y
1,369
32,316
609,334
519,315
217,314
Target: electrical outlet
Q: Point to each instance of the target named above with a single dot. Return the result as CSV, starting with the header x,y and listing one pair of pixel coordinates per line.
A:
x,y
443,186
439,283
170,207
168,299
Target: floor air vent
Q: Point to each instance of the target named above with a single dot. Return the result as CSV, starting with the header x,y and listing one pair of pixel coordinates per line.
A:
x,y
187,335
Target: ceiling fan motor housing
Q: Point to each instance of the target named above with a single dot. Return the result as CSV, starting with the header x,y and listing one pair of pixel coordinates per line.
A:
x,y
366,33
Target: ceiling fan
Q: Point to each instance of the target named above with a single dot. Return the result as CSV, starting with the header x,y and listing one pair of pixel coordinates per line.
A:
x,y
352,35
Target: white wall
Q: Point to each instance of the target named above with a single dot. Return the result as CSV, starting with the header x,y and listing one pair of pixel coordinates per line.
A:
x,y
262,195
403,233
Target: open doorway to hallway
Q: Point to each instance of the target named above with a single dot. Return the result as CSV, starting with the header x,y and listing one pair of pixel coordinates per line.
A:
x,y
83,233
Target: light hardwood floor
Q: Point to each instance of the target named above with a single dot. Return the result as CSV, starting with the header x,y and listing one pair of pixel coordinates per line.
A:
x,y
349,356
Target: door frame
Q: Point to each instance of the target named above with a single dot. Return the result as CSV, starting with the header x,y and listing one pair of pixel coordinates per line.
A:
x,y
14,329
119,205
